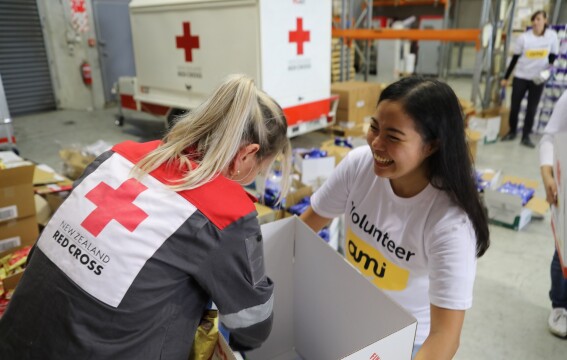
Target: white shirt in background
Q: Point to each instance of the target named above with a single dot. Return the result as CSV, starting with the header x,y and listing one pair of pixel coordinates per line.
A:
x,y
534,51
557,123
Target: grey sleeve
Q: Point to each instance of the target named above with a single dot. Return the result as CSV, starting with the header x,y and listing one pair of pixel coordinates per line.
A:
x,y
234,276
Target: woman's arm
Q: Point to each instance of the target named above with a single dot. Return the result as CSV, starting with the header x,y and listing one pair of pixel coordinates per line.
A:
x,y
314,220
444,335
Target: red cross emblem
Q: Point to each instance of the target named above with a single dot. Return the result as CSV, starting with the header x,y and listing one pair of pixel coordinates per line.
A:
x,y
299,36
187,42
115,205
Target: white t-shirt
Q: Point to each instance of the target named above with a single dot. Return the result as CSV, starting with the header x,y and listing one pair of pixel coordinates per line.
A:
x,y
534,51
557,123
418,250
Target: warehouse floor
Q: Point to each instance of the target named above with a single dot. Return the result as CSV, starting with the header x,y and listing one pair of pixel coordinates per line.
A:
x,y
509,316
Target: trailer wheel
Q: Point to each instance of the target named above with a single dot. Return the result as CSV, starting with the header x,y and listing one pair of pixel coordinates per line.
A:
x,y
174,115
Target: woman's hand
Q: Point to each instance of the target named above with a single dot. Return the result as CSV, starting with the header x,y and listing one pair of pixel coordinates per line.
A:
x,y
549,184
503,82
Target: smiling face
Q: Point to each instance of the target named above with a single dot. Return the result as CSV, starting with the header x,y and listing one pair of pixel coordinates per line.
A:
x,y
398,149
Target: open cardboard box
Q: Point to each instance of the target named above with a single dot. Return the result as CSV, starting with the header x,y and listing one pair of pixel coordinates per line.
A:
x,y
323,307
506,209
558,213
314,171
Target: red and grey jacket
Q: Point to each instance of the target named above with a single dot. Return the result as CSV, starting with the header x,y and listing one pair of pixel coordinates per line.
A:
x,y
126,267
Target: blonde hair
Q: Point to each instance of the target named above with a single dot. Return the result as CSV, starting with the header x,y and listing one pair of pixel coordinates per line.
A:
x,y
235,115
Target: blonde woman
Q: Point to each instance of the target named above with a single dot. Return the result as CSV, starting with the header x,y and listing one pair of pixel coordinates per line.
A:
x,y
149,235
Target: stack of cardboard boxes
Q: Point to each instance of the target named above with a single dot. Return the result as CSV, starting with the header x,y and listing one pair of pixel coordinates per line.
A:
x,y
357,103
18,223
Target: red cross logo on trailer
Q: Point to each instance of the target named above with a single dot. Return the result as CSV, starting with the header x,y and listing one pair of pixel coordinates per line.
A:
x,y
115,204
299,36
187,42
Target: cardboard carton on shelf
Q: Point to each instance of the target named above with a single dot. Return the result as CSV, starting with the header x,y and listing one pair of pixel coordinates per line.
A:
x,y
316,319
357,100
507,210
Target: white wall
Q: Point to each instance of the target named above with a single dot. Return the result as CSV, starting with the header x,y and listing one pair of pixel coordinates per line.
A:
x,y
67,49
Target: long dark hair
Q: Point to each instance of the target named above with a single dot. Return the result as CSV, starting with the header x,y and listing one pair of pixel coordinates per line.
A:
x,y
438,117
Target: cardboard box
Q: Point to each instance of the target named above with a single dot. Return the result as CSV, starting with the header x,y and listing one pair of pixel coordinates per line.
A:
x,y
47,181
359,130
323,307
74,162
265,214
468,108
357,100
16,193
338,152
314,171
507,210
488,125
14,233
473,137
559,212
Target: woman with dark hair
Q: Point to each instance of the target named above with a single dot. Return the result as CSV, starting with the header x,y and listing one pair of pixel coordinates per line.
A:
x,y
535,50
414,222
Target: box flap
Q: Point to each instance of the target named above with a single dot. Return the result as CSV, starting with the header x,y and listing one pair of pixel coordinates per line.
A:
x,y
333,320
518,180
473,135
538,205
45,175
278,253
16,175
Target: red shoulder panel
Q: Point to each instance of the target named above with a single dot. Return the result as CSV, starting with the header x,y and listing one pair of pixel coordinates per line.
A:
x,y
222,201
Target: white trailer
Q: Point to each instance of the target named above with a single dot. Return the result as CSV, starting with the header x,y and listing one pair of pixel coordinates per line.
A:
x,y
184,48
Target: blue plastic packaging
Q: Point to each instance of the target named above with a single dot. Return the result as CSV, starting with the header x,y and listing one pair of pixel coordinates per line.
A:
x,y
520,190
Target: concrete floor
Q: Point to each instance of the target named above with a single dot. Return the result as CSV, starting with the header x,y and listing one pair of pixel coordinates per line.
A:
x,y
509,316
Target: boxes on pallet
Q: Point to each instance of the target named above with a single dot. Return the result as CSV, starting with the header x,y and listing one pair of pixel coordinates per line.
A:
x,y
559,212
357,100
506,209
316,319
18,225
16,192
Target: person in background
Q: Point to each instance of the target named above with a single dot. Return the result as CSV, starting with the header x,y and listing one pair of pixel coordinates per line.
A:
x,y
557,321
414,221
149,235
535,50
